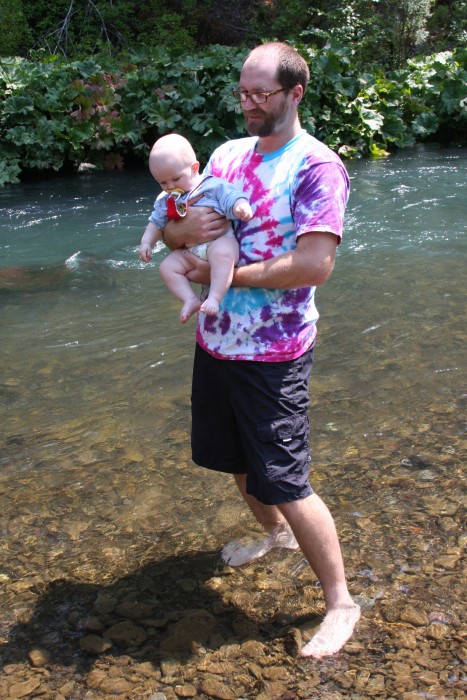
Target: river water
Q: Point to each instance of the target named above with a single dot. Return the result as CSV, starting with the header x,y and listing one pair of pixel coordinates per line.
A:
x,y
95,470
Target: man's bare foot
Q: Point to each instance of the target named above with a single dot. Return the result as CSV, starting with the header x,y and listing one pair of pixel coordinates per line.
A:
x,y
237,553
189,308
334,631
210,306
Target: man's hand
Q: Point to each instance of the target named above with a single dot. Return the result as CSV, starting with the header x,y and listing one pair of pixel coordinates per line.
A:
x,y
200,274
200,224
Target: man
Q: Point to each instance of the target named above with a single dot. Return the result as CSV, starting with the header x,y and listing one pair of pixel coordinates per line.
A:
x,y
253,360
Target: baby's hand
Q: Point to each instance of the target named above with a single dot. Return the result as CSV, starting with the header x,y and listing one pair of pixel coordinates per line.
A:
x,y
242,210
145,251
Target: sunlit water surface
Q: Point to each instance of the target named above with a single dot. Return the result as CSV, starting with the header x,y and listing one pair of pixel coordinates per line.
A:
x,y
95,380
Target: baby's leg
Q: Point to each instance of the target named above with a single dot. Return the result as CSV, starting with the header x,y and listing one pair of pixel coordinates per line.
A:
x,y
174,269
222,256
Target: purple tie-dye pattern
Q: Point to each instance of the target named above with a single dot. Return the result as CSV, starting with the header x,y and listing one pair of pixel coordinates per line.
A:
x,y
210,325
295,297
225,322
266,314
302,188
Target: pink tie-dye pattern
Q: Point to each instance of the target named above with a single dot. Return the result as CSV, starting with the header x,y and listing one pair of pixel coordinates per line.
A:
x,y
274,325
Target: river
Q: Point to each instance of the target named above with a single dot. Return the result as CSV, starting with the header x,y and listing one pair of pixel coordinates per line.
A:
x,y
96,480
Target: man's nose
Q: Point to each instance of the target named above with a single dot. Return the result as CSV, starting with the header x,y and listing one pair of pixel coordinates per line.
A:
x,y
248,103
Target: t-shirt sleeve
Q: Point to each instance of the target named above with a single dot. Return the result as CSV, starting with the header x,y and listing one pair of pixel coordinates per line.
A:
x,y
159,214
320,194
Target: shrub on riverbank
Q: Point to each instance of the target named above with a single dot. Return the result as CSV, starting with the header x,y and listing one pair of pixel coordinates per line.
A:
x,y
56,114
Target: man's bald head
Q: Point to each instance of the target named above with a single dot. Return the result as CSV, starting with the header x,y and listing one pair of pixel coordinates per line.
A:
x,y
292,69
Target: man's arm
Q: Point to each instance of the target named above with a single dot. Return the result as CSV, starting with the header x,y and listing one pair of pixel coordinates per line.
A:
x,y
308,265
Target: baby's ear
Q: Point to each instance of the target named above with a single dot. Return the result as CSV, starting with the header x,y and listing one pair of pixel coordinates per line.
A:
x,y
195,166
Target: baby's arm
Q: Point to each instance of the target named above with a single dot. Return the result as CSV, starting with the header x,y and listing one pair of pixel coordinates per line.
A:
x,y
242,209
151,235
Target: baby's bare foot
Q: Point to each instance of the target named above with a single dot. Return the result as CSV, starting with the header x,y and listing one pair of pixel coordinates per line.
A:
x,y
188,309
210,306
334,631
238,553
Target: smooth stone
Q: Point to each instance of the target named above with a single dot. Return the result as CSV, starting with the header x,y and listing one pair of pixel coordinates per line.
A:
x,y
390,613
404,639
147,669
95,678
67,689
93,624
376,685
133,610
25,688
93,644
428,677
105,604
185,691
195,627
216,689
449,561
275,673
293,642
116,686
170,667
437,508
354,648
221,668
252,648
126,633
415,617
276,690
437,630
39,657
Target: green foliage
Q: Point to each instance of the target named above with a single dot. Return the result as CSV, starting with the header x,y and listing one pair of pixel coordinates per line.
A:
x,y
369,113
56,114
18,36
378,31
386,32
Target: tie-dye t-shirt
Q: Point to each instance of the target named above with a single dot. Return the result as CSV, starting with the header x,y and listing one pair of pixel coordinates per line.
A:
x,y
303,187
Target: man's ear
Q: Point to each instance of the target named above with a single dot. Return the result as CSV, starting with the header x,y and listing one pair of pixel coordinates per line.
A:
x,y
297,92
195,166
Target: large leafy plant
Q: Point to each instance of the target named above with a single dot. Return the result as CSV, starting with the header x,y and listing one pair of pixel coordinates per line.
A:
x,y
56,114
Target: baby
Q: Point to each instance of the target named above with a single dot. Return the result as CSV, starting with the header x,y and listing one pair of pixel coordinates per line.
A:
x,y
172,162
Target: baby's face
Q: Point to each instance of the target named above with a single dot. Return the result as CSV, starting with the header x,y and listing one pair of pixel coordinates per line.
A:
x,y
176,178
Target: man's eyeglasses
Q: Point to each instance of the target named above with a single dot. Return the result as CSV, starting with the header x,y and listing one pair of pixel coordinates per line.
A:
x,y
258,98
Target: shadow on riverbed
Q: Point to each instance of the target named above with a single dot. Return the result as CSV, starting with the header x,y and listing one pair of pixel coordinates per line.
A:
x,y
35,279
166,610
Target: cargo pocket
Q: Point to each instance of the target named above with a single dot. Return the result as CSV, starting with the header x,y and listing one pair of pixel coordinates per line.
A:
x,y
285,446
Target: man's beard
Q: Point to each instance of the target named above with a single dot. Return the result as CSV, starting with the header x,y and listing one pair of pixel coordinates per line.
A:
x,y
268,124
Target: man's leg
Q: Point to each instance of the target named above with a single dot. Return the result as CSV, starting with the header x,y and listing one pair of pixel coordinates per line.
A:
x,y
306,523
306,519
314,529
278,532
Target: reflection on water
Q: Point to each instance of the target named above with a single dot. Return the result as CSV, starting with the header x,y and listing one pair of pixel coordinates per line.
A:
x,y
95,464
